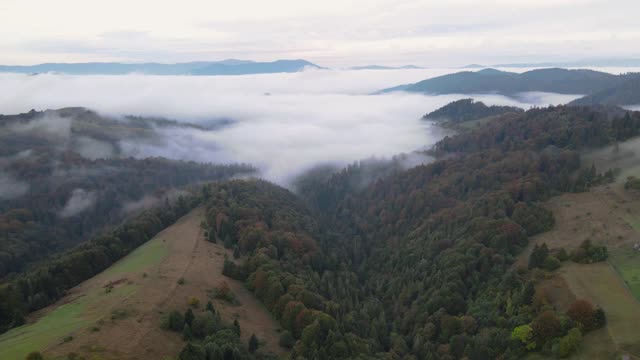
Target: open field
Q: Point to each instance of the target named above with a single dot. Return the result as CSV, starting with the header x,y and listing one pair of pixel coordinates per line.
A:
x,y
124,323
604,215
627,263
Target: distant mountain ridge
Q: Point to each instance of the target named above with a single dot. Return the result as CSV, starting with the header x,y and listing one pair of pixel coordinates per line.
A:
x,y
224,67
563,64
626,93
553,80
381,67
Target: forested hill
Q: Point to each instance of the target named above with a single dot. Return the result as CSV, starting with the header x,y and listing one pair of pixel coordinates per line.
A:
x,y
553,80
626,93
417,264
464,110
65,176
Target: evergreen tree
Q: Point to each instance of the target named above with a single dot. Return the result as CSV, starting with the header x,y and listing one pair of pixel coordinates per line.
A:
x,y
188,316
210,307
253,343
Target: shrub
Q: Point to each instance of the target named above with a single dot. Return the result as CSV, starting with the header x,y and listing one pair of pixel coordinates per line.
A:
x,y
551,263
194,302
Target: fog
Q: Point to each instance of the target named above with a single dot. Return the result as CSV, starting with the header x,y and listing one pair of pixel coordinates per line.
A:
x,y
79,201
282,123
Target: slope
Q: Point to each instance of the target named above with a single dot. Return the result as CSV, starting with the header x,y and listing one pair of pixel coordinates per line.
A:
x,y
627,93
118,313
553,80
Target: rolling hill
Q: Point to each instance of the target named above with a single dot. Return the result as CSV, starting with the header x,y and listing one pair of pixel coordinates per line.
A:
x,y
626,93
554,80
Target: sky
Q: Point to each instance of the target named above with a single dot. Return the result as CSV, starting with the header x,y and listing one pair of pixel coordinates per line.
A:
x,y
334,33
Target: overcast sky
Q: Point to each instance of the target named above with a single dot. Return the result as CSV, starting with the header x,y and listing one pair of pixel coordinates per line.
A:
x,y
332,33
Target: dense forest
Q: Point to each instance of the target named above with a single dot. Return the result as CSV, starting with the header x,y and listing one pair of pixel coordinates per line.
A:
x,y
627,93
381,260
467,110
417,264
64,178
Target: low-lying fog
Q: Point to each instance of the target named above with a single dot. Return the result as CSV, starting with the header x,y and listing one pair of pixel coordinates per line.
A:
x,y
281,123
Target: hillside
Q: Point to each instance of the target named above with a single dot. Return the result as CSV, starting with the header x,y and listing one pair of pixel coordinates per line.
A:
x,y
467,110
67,174
553,80
225,67
118,314
626,93
417,263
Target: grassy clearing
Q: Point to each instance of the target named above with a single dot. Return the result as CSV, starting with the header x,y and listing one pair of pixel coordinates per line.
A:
x,y
149,254
57,324
600,284
18,342
627,264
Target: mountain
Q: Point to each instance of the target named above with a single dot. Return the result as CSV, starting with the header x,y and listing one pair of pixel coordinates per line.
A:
x,y
579,63
464,110
279,66
554,80
224,67
380,67
627,93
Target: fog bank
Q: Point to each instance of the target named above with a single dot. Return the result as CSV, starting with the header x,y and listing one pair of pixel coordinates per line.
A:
x,y
281,123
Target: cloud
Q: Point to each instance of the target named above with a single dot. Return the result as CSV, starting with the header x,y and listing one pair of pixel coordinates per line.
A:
x,y
308,118
149,201
49,125
11,188
79,201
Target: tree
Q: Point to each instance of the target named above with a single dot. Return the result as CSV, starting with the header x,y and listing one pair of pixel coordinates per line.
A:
x,y
210,307
236,327
188,316
524,333
175,321
186,333
287,340
599,319
569,343
35,356
191,352
546,326
253,343
582,312
538,256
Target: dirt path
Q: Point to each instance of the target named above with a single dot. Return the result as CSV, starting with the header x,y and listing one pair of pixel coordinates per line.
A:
x,y
148,293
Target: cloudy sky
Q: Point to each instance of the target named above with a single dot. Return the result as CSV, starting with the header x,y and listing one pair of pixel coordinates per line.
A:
x,y
329,32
